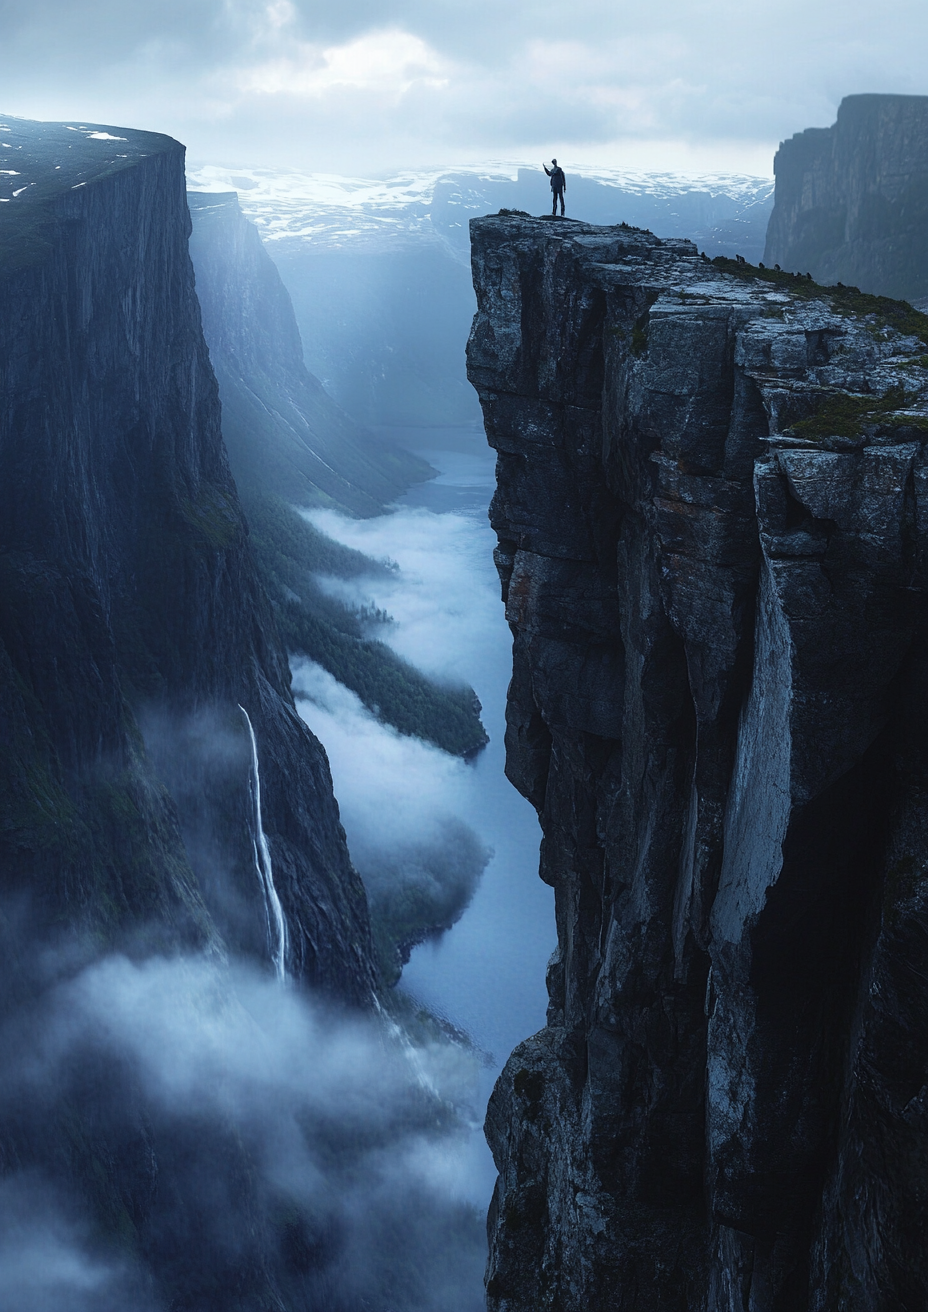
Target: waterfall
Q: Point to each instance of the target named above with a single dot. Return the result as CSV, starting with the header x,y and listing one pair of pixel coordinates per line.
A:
x,y
273,911
401,1038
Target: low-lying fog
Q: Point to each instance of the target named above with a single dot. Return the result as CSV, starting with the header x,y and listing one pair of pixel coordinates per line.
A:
x,y
254,1127
241,1136
487,973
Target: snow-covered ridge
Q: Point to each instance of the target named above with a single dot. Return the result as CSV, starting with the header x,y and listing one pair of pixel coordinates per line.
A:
x,y
51,158
337,211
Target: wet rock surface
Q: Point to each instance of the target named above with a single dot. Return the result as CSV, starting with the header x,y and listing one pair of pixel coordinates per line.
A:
x,y
711,513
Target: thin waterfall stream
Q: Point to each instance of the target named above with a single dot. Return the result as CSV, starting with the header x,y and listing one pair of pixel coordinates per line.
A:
x,y
274,913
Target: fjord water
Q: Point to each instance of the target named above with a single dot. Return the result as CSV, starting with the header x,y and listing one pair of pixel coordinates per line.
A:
x,y
486,974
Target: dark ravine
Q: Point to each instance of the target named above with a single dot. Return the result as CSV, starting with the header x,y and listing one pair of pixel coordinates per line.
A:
x,y
284,433
851,200
712,513
179,1128
290,448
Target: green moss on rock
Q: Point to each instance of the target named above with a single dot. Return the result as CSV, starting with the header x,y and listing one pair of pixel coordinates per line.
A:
x,y
882,310
846,414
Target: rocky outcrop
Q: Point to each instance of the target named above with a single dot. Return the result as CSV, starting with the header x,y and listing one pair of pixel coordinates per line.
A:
x,y
851,201
379,271
132,625
712,514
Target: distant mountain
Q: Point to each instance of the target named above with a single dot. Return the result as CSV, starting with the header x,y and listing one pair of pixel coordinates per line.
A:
x,y
852,199
379,270
282,430
290,445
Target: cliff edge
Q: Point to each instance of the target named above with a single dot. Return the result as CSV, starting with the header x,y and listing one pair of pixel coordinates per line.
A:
x,y
712,513
133,627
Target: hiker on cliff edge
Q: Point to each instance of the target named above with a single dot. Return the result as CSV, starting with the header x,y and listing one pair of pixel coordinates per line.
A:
x,y
558,185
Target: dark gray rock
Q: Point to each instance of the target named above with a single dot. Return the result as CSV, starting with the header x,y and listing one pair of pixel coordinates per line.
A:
x,y
132,623
851,201
711,518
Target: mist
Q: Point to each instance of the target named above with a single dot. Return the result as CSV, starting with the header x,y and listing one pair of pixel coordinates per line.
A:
x,y
49,1261
401,802
278,1125
487,975
446,618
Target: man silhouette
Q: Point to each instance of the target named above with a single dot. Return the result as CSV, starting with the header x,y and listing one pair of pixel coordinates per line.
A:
x,y
558,186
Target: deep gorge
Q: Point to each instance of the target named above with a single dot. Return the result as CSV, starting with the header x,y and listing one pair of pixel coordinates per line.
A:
x,y
710,514
205,1103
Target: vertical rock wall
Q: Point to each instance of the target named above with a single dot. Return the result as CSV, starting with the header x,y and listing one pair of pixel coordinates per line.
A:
x,y
283,432
851,201
711,513
132,625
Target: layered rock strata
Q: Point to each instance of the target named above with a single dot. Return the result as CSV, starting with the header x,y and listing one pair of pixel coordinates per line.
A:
x,y
133,628
712,513
851,201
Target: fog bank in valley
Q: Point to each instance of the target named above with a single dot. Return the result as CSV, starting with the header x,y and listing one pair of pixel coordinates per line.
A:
x,y
250,1119
446,618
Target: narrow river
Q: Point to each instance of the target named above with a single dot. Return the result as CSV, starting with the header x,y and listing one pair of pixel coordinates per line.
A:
x,y
485,975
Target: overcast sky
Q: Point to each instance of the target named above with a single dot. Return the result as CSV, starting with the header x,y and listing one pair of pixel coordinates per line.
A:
x,y
378,85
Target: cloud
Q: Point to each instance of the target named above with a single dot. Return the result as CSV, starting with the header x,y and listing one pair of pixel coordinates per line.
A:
x,y
218,1127
446,616
354,85
48,1261
387,62
408,808
391,789
403,804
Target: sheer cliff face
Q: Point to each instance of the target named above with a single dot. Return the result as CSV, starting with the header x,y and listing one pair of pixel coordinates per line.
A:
x,y
719,681
851,200
132,627
284,434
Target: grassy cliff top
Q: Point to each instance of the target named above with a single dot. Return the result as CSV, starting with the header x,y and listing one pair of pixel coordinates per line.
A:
x,y
40,163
